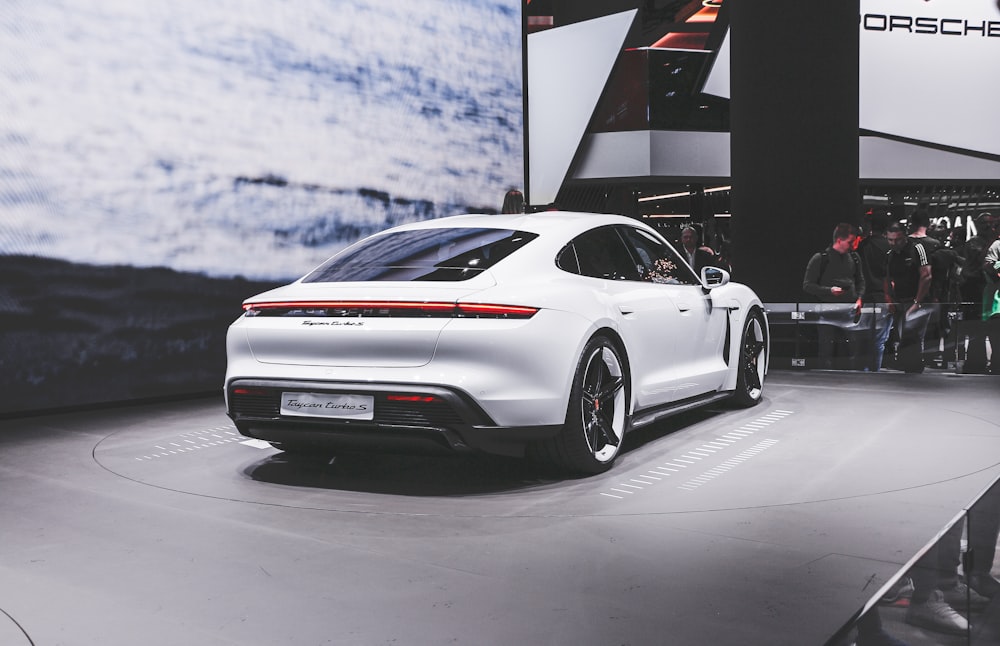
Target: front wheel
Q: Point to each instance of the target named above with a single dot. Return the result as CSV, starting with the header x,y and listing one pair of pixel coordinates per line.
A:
x,y
596,416
752,361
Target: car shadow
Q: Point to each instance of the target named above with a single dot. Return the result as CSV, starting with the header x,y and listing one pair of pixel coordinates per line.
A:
x,y
404,475
448,475
679,422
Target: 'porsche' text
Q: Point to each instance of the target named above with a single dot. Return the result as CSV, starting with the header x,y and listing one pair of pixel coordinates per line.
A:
x,y
931,26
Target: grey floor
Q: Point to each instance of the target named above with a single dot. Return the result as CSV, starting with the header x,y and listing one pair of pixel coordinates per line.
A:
x,y
159,525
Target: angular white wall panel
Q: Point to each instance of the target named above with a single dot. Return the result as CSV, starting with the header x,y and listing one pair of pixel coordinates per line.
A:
x,y
568,68
718,82
887,159
653,153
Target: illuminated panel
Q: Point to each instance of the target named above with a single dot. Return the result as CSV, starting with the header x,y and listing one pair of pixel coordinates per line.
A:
x,y
387,309
567,70
928,71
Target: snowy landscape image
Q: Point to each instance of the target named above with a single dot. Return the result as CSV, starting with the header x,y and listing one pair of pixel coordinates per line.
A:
x,y
162,160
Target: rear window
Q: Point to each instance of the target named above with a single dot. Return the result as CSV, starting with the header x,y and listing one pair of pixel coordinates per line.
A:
x,y
422,254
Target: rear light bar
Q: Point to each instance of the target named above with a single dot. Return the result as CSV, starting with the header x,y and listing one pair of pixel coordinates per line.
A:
x,y
400,397
256,392
423,399
385,309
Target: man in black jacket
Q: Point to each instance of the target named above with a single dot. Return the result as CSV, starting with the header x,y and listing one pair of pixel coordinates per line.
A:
x,y
696,255
873,251
835,277
971,286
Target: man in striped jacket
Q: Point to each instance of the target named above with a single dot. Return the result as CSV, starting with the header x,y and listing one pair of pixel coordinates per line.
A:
x,y
907,287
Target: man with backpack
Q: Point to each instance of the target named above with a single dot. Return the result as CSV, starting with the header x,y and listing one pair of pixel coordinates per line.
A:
x,y
834,276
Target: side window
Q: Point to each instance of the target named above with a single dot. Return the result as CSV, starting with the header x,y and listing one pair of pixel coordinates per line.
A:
x,y
661,264
566,260
599,253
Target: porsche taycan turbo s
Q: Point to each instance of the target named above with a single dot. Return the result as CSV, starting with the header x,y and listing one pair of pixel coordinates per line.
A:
x,y
550,335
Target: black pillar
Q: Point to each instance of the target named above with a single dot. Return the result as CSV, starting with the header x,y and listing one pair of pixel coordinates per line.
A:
x,y
794,122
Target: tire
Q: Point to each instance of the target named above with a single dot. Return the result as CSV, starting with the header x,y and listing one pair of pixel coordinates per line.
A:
x,y
752,361
597,415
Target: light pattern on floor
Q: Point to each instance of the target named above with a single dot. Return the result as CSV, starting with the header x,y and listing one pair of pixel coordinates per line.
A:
x,y
679,465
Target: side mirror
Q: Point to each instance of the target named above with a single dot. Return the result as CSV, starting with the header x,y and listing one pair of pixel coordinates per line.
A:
x,y
712,277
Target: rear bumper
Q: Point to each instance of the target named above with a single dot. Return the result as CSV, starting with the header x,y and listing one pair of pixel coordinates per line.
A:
x,y
519,372
450,422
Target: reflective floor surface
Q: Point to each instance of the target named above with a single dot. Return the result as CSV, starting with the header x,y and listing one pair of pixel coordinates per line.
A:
x,y
159,524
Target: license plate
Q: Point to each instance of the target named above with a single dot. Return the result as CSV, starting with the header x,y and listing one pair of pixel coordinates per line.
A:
x,y
334,406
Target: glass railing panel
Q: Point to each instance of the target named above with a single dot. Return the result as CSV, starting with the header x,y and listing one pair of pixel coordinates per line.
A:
x,y
975,340
834,336
940,337
948,594
782,323
982,567
925,604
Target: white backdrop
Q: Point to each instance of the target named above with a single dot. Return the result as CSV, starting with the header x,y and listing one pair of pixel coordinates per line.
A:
x,y
932,80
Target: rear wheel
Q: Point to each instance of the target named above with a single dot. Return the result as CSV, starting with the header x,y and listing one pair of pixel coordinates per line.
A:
x,y
752,361
596,417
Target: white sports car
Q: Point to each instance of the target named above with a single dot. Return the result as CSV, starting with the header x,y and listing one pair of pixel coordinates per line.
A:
x,y
551,334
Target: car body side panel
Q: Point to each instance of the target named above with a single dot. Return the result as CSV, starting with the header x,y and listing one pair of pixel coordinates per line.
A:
x,y
645,316
700,335
740,299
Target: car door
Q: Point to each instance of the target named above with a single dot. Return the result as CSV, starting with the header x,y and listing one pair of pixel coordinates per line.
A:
x,y
694,327
602,254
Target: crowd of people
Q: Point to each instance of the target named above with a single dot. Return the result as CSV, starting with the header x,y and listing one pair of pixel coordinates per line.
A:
x,y
908,297
891,296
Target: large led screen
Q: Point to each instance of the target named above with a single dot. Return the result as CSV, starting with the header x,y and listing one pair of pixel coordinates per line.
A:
x,y
162,161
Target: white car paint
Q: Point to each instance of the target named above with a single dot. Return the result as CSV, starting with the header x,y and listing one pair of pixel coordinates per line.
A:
x,y
511,378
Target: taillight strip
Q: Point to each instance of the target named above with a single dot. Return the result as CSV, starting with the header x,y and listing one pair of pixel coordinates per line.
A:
x,y
502,310
310,305
457,310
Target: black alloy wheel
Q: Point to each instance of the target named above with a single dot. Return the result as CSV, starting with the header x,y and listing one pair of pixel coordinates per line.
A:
x,y
752,362
597,414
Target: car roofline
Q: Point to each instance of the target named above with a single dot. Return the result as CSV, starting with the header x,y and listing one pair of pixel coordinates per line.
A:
x,y
540,222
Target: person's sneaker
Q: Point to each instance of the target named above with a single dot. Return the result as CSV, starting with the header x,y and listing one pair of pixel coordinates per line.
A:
x,y
962,596
984,584
899,592
934,614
